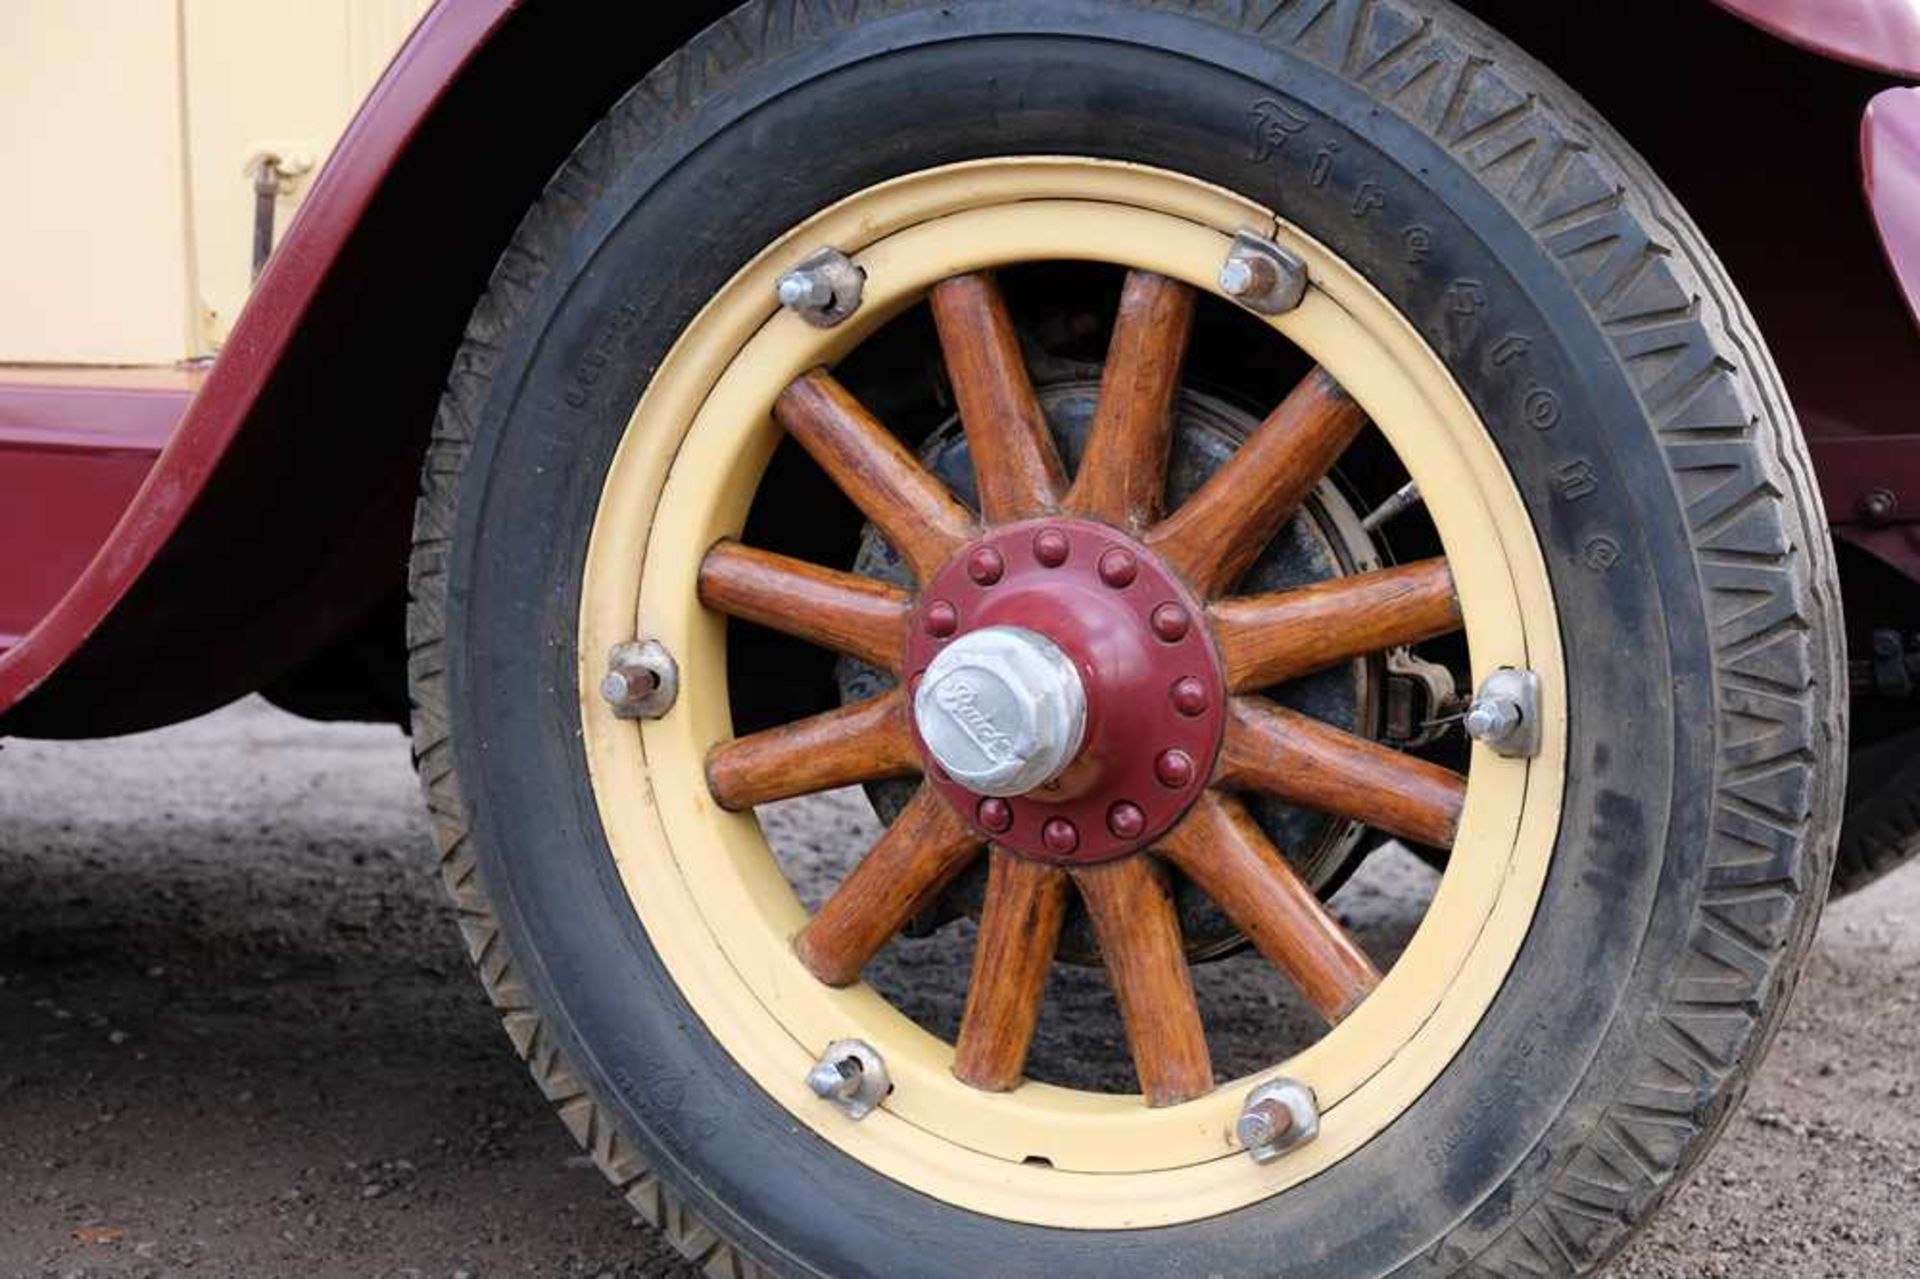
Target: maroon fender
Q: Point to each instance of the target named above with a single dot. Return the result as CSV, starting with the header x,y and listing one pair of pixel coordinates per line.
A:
x,y
1890,152
1882,34
430,60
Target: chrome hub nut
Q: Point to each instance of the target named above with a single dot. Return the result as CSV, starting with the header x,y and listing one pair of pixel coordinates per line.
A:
x,y
1002,710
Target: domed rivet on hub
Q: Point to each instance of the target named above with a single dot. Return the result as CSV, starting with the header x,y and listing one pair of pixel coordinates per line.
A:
x,y
1126,821
1060,836
1051,547
986,566
996,816
942,619
1174,769
1190,697
1118,568
1171,623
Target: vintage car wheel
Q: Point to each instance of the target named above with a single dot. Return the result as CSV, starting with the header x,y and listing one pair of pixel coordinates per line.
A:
x,y
1442,271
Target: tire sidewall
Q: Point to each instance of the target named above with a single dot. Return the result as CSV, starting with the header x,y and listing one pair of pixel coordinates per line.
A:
x,y
693,188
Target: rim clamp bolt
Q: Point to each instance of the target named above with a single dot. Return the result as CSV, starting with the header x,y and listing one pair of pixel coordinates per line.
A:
x,y
642,680
1262,276
850,1077
1505,714
1278,1118
824,289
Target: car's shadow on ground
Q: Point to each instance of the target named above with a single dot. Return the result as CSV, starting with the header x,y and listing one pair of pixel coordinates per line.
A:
x,y
237,1035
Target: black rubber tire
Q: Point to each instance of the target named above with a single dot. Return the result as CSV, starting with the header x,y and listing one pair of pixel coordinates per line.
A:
x,y
1881,832
1645,425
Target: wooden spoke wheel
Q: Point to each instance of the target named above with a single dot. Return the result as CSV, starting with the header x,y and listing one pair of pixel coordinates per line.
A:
x,y
1079,686
1166,659
1153,459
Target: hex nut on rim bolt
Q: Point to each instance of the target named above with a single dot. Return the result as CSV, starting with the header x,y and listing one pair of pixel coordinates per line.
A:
x,y
1262,276
642,680
1491,719
1505,714
851,1077
1278,1118
824,289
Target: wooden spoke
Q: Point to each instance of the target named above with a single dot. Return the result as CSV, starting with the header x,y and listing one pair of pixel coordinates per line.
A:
x,y
1283,753
1218,532
1139,932
1265,639
922,851
865,742
913,510
845,612
1014,461
1223,850
1019,929
1123,474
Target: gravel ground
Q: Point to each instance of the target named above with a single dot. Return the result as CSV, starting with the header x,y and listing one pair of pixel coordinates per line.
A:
x,y
237,1037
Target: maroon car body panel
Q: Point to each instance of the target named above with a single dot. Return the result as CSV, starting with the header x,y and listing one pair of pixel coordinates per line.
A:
x,y
1882,34
427,64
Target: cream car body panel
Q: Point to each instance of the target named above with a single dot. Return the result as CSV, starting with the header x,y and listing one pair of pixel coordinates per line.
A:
x,y
126,137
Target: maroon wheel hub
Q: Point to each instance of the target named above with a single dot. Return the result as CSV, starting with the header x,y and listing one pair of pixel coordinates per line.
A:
x,y
1153,686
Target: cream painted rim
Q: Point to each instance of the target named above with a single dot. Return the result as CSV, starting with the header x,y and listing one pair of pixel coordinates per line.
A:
x,y
707,888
